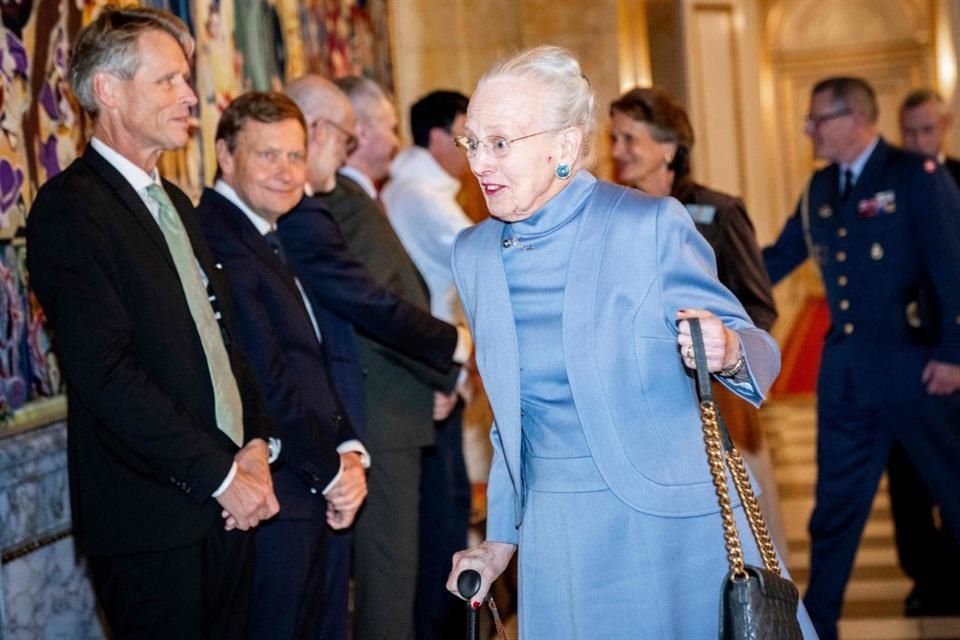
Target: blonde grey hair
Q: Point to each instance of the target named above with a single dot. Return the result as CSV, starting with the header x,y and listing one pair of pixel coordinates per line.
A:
x,y
109,44
571,102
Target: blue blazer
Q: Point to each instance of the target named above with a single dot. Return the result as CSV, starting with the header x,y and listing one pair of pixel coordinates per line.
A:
x,y
890,261
637,261
275,332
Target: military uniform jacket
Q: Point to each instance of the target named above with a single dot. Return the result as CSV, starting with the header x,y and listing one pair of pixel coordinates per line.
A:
x,y
890,261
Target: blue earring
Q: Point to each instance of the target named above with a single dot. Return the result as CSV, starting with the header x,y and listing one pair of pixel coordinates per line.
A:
x,y
563,171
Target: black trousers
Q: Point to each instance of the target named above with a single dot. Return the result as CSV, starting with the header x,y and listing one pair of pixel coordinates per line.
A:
x,y
197,592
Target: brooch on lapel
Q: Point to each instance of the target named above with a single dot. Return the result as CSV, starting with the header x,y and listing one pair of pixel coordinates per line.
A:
x,y
882,203
702,213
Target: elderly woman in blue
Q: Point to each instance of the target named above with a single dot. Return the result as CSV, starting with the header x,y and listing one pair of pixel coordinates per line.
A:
x,y
578,292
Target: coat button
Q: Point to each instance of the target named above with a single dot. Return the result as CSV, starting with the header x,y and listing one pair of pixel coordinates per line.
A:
x,y
842,281
842,232
848,328
841,256
844,304
876,251
313,490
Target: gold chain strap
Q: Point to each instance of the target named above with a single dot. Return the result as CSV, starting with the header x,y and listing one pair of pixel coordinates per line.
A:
x,y
741,480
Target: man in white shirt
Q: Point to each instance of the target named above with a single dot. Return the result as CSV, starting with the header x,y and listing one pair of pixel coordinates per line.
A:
x,y
421,202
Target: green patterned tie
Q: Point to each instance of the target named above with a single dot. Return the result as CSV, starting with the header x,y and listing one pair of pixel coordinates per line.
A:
x,y
226,396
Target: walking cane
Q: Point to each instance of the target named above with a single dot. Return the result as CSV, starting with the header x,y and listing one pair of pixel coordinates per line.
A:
x,y
468,583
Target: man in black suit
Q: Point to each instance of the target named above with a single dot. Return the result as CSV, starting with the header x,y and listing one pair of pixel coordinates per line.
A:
x,y
167,433
357,292
927,552
261,156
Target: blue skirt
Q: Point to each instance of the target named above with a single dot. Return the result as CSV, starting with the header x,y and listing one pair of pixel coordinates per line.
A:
x,y
593,568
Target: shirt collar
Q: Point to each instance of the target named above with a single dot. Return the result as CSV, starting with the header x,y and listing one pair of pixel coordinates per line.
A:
x,y
361,179
856,167
228,192
137,177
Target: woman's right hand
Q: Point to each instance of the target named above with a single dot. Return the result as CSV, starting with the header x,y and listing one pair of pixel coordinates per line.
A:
x,y
489,559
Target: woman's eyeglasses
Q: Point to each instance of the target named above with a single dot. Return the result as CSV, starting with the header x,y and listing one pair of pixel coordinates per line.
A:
x,y
497,146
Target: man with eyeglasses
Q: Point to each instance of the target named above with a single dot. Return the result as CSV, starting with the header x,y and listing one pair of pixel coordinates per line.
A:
x,y
398,390
421,203
880,223
336,280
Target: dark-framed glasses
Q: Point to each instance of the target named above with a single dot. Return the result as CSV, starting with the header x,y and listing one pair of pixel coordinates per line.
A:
x,y
497,146
350,139
816,119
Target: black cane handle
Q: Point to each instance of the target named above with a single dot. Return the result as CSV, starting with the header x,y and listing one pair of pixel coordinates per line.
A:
x,y
468,584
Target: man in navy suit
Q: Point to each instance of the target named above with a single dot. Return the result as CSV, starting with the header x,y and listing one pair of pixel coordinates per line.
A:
x,y
881,225
261,155
335,280
927,553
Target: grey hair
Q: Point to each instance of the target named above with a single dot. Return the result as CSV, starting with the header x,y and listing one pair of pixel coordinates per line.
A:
x,y
109,45
362,93
571,102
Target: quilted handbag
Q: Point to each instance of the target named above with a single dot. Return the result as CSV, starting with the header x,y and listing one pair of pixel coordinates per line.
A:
x,y
756,603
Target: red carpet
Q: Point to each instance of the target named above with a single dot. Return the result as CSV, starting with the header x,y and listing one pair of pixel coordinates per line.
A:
x,y
801,354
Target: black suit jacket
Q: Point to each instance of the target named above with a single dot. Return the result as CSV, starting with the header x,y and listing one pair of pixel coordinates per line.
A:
x,y
274,330
144,450
399,389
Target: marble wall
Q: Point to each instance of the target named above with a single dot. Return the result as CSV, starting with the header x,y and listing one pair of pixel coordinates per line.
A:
x,y
44,593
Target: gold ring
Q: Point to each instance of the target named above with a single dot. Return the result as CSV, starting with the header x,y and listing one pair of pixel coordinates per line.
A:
x,y
688,352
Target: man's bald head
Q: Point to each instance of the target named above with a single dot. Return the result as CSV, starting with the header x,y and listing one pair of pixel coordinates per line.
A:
x,y
331,128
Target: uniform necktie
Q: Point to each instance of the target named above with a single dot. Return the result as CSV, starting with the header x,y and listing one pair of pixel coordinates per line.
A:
x,y
227,403
847,185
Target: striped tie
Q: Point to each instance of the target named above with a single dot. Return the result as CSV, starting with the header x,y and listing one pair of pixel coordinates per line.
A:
x,y
226,396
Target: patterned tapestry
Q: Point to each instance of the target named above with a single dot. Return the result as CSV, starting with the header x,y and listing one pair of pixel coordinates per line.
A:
x,y
241,45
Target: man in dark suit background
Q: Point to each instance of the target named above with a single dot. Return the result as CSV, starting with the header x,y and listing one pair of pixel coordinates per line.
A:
x,y
399,390
261,157
924,123
927,552
881,225
167,433
335,280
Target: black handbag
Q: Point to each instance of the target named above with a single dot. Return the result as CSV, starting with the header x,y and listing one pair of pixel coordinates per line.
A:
x,y
756,603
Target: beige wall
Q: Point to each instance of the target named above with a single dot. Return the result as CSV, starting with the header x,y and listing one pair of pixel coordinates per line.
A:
x,y
450,43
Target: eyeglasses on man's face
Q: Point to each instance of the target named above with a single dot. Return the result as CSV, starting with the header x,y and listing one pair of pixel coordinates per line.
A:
x,y
815,120
350,140
497,146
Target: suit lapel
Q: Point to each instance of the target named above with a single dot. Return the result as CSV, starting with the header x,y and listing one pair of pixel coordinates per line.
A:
x,y
494,324
235,221
130,199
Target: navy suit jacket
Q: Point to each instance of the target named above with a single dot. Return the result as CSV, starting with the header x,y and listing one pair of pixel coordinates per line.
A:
x,y
275,332
337,281
890,250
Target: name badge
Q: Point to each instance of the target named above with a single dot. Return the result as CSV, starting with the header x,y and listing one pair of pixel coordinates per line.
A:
x,y
882,203
702,213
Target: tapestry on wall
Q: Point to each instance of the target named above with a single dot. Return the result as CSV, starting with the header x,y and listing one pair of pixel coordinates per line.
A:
x,y
241,45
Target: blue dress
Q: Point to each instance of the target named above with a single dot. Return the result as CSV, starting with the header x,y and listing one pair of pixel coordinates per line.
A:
x,y
588,560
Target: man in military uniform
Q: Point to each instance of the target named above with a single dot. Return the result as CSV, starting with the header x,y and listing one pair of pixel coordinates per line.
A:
x,y
881,224
927,553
